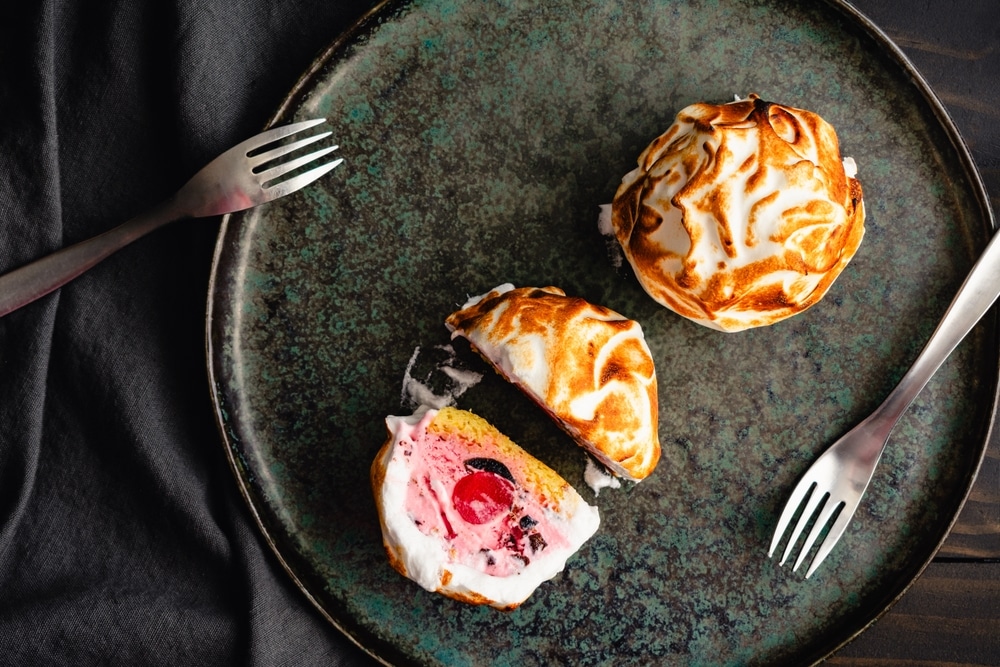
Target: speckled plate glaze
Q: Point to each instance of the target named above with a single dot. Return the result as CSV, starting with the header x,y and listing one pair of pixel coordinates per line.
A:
x,y
480,138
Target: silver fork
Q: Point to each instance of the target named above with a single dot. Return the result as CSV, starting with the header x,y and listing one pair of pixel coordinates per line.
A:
x,y
835,482
239,179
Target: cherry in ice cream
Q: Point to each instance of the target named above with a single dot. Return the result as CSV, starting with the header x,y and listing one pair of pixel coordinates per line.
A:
x,y
482,496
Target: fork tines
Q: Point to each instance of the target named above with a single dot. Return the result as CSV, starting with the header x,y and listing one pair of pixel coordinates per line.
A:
x,y
814,512
268,175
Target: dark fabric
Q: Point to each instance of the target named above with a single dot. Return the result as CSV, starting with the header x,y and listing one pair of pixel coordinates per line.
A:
x,y
123,538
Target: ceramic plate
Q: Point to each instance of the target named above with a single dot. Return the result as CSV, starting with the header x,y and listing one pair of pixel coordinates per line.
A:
x,y
480,138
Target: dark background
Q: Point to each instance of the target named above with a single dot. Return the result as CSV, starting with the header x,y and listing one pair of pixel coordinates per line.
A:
x,y
123,537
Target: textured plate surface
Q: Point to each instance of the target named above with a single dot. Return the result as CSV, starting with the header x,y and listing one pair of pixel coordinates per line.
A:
x,y
480,137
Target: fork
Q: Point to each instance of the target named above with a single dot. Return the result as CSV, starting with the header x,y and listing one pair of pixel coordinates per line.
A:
x,y
240,178
834,484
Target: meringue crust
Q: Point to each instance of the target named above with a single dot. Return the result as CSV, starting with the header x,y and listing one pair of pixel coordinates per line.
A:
x,y
740,214
587,366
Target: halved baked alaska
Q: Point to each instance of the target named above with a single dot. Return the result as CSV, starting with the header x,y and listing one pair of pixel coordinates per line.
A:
x,y
467,513
587,366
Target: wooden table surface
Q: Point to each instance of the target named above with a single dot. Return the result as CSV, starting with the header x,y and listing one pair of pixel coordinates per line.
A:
x,y
951,613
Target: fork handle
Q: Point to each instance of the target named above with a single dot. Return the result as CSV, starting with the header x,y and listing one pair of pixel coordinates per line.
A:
x,y
978,292
34,280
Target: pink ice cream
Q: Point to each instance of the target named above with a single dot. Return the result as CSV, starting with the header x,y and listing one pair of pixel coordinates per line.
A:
x,y
489,521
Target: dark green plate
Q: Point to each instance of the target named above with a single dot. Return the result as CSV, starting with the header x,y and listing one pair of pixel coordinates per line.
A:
x,y
480,136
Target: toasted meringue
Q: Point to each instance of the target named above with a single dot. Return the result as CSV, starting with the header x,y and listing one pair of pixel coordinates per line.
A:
x,y
587,366
467,513
741,214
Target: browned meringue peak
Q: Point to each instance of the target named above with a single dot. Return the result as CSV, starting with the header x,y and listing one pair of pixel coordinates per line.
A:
x,y
740,214
586,365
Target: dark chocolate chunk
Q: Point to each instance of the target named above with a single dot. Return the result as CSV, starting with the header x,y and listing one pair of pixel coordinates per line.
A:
x,y
490,465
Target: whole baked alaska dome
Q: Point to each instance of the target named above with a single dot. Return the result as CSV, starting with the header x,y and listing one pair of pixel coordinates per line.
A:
x,y
740,214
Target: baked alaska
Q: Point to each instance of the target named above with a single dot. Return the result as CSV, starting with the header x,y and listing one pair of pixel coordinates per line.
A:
x,y
587,366
739,215
467,513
